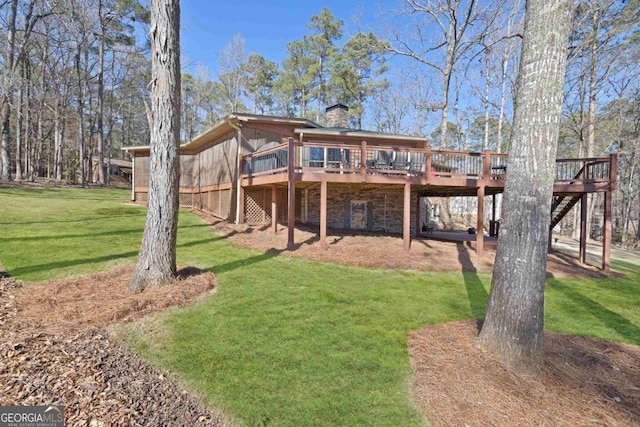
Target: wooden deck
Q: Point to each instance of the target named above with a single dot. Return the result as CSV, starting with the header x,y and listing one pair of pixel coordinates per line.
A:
x,y
432,173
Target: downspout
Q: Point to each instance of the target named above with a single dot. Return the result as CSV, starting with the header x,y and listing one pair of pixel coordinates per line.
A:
x,y
238,164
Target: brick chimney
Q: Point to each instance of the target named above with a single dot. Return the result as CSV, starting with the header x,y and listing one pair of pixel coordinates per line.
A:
x,y
337,116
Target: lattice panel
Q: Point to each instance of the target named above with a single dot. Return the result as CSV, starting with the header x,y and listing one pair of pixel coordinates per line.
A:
x,y
197,200
257,206
214,203
204,201
186,199
225,204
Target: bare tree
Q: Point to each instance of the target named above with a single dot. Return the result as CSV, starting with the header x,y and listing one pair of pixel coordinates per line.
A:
x,y
514,323
231,60
157,259
459,25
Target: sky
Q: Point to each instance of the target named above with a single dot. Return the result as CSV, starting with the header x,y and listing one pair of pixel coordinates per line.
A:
x,y
267,25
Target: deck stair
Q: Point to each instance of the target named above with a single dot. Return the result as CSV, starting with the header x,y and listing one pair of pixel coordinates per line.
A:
x,y
561,206
563,203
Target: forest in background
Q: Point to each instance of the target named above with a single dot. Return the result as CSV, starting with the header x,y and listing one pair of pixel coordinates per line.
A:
x,y
74,83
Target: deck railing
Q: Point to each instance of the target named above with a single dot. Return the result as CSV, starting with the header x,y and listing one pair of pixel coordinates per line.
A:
x,y
583,170
333,158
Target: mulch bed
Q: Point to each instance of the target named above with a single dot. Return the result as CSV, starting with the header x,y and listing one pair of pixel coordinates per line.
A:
x,y
378,250
586,381
54,350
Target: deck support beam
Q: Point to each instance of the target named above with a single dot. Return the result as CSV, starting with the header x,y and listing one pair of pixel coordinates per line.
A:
x,y
406,219
606,235
323,214
480,222
274,209
582,254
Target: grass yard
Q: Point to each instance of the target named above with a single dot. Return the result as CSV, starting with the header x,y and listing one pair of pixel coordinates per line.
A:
x,y
284,341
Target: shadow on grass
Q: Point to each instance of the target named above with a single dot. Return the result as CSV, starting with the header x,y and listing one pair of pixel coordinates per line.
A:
x,y
55,192
475,290
29,269
72,236
65,221
92,234
627,268
271,253
611,319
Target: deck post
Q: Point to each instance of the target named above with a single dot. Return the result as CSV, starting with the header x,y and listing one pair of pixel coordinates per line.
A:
x,y
606,235
363,160
291,187
305,210
406,216
582,255
274,209
480,222
427,164
486,165
613,171
323,214
241,214
492,225
418,214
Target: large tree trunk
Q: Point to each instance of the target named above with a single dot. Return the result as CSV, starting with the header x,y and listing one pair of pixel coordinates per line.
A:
x,y
157,259
514,323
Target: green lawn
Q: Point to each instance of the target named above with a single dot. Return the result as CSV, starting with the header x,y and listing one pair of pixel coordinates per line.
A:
x,y
285,342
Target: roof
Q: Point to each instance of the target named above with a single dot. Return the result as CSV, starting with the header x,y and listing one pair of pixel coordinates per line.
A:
x,y
303,127
338,105
122,163
228,124
366,135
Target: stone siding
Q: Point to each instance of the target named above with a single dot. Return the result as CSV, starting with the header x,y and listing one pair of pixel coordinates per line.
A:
x,y
385,206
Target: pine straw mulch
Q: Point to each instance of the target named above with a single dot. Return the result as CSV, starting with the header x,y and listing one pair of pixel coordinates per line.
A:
x,y
98,300
378,250
54,350
586,381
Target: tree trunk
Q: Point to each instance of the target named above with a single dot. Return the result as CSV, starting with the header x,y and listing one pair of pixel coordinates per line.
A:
x,y
5,159
100,119
514,324
20,122
58,136
487,89
80,113
591,121
157,259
